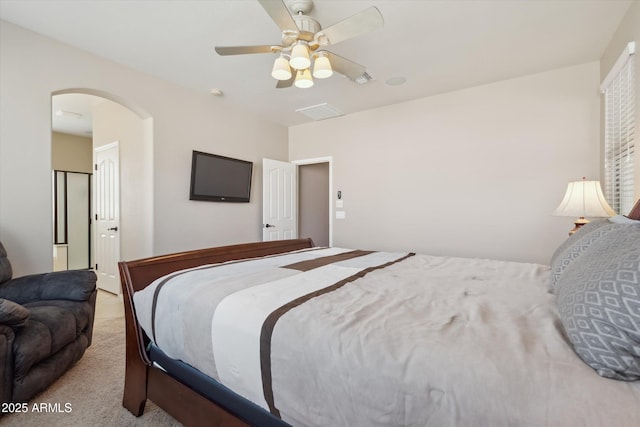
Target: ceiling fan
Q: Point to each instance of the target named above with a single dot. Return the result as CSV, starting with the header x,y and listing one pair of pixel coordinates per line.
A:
x,y
304,40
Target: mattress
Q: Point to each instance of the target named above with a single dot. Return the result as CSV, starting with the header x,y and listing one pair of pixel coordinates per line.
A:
x,y
384,339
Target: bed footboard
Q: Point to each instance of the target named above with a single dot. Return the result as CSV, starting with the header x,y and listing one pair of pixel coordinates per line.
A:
x,y
142,380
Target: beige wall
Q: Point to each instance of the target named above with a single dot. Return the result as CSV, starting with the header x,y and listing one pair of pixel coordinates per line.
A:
x,y
33,67
71,153
112,122
475,172
629,30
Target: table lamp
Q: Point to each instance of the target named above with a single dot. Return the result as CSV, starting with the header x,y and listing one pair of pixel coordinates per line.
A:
x,y
584,199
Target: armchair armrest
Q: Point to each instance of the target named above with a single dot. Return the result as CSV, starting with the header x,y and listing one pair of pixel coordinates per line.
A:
x,y
75,285
13,314
7,337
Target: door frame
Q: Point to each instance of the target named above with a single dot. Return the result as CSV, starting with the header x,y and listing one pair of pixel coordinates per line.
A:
x,y
313,161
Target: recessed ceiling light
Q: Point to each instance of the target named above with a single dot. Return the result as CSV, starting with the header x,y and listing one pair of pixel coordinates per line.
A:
x,y
396,81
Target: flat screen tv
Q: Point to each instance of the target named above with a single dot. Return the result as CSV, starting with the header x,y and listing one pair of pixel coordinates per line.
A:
x,y
219,179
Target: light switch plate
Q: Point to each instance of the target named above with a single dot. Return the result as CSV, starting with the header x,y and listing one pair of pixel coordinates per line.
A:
x,y
340,214
339,203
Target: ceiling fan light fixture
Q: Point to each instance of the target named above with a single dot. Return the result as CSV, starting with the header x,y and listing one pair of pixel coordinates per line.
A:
x,y
322,67
303,79
302,40
281,69
300,56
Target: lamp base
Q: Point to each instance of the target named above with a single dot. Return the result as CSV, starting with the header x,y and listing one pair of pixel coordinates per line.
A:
x,y
578,223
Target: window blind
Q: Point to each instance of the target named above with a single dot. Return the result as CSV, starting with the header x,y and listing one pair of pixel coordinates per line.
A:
x,y
620,138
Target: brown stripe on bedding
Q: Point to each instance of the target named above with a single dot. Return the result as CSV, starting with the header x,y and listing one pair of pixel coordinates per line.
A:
x,y
326,260
267,327
166,279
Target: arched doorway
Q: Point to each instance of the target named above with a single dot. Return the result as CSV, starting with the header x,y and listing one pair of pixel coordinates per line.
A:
x,y
108,121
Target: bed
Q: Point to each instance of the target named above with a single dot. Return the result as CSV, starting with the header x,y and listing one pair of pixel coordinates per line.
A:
x,y
285,333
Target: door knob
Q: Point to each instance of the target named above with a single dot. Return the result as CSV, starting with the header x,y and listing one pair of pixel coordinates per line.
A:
x,y
268,226
112,229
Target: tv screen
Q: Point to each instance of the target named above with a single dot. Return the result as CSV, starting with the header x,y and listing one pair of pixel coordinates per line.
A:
x,y
219,179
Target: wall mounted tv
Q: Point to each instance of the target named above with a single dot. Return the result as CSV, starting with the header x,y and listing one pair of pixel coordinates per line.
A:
x,y
219,179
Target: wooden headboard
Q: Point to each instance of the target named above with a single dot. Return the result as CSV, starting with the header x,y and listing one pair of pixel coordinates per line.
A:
x,y
635,211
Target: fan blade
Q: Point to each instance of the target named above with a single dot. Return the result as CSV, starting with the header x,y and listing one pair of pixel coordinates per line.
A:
x,y
278,11
345,67
360,23
242,50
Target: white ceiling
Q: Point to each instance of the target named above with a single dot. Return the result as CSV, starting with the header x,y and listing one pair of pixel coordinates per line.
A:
x,y
438,46
73,113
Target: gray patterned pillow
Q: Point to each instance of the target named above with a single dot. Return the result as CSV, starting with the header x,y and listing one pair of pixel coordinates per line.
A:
x,y
599,303
574,246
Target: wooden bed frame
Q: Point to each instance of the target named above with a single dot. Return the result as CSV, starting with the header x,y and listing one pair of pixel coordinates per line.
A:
x,y
145,381
635,211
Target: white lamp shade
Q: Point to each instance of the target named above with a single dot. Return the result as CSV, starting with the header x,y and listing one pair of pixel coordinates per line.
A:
x,y
322,67
584,199
281,69
303,79
300,57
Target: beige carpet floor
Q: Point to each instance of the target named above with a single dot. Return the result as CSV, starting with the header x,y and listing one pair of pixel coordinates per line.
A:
x,y
90,393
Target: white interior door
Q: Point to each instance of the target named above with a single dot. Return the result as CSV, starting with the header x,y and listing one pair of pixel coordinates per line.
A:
x,y
280,200
107,216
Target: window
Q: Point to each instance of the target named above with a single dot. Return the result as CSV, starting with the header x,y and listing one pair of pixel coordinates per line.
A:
x,y
619,136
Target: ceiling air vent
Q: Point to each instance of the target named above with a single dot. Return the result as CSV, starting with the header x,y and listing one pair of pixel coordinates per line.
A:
x,y
320,111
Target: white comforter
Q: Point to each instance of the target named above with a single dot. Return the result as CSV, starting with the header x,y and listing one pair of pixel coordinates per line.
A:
x,y
425,341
